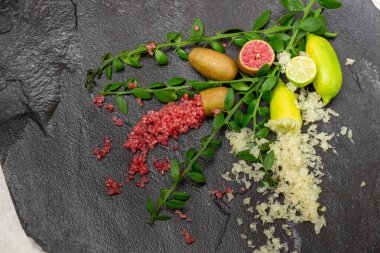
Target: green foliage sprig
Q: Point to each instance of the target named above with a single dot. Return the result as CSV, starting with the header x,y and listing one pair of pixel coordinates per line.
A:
x,y
287,34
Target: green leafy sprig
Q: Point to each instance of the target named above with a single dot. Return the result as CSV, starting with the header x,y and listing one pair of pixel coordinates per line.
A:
x,y
287,34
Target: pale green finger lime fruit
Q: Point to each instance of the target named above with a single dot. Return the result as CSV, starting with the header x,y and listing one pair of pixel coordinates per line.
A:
x,y
301,71
328,81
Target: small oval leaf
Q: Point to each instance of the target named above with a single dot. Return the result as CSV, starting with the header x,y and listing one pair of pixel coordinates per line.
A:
x,y
122,105
262,20
197,177
161,57
229,99
217,46
175,204
218,121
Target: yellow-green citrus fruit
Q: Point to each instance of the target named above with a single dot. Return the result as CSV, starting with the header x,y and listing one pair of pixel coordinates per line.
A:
x,y
285,116
301,71
213,99
212,64
328,81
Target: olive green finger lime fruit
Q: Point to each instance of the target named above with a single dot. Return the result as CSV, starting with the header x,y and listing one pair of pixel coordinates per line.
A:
x,y
213,99
212,64
328,80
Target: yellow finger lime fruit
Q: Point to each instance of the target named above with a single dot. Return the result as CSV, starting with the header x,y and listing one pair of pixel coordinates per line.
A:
x,y
285,116
328,81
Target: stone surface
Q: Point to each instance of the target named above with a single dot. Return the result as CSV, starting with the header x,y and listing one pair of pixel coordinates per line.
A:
x,y
49,127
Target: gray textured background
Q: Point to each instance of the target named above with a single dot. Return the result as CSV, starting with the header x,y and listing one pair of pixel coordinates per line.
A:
x,y
49,127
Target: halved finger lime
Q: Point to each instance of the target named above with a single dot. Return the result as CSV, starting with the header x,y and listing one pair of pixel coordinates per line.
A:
x,y
301,71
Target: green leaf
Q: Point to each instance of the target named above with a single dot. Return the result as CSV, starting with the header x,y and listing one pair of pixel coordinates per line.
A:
x,y
166,96
251,106
174,37
218,121
311,24
245,155
229,100
117,65
267,96
262,122
245,120
293,5
106,57
197,177
323,28
269,161
163,217
264,111
174,170
262,133
156,85
150,206
217,46
200,86
109,71
163,193
176,81
183,196
141,93
269,83
265,146
262,20
196,167
240,86
240,41
183,92
263,71
215,144
208,153
277,45
252,36
131,61
283,20
190,153
182,54
249,98
196,31
175,204
113,86
160,57
279,36
330,4
235,125
122,105
238,116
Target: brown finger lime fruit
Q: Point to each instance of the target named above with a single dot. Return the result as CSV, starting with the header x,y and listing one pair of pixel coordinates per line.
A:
x,y
254,55
213,99
212,64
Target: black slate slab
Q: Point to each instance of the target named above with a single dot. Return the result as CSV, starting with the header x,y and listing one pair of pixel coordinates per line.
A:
x,y
49,127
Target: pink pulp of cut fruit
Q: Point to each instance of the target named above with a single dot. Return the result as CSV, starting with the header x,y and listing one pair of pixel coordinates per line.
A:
x,y
256,53
157,127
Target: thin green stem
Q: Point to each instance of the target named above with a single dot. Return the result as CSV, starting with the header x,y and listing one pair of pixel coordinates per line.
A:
x,y
306,12
195,158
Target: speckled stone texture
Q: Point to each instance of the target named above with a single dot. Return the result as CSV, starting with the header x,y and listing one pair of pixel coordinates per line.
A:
x,y
49,127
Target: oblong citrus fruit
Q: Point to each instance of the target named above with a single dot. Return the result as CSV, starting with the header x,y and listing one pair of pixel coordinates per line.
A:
x,y
212,64
213,99
285,116
328,80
